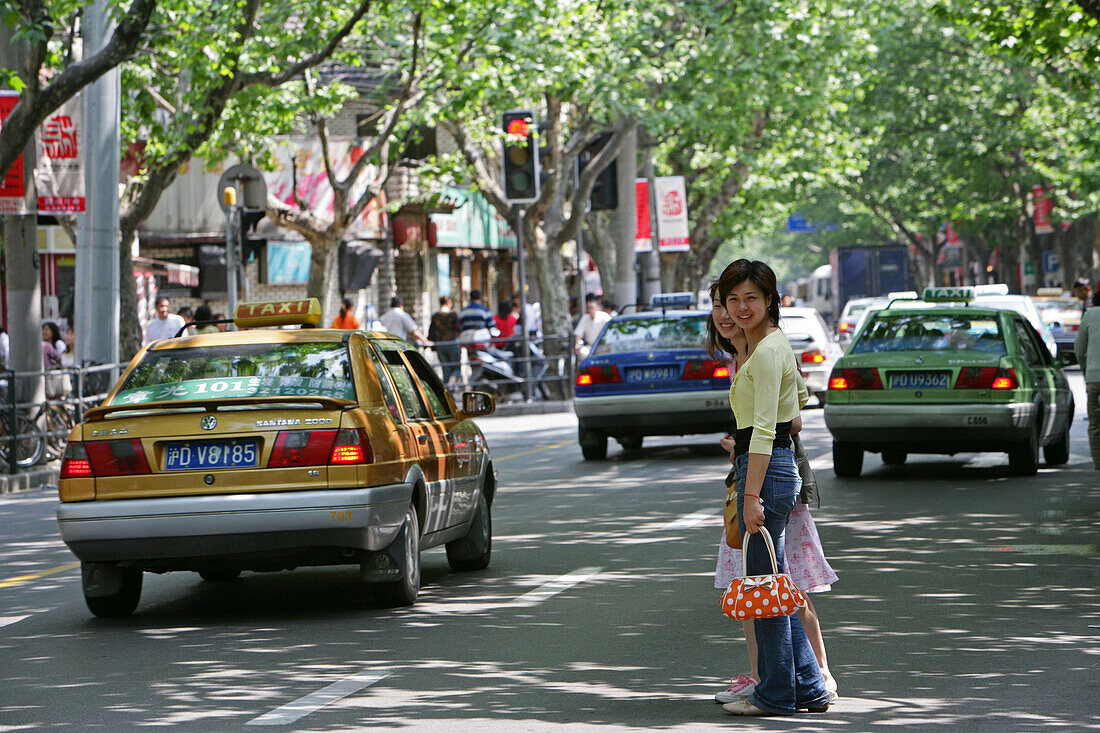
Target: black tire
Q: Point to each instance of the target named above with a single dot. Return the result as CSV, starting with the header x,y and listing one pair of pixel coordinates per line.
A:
x,y
220,575
1023,458
120,603
631,442
593,444
821,397
847,459
1057,453
894,457
473,551
403,592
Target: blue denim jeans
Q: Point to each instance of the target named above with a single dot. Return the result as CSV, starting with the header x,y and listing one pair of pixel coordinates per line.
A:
x,y
790,678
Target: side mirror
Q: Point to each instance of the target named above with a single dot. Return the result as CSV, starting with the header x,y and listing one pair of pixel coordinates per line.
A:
x,y
477,403
1067,358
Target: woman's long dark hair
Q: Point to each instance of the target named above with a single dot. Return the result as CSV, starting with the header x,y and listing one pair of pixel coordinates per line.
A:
x,y
55,332
717,345
756,272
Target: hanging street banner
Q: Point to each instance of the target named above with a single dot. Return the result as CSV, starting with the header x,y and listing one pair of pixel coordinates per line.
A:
x,y
12,189
672,215
59,170
1042,206
643,236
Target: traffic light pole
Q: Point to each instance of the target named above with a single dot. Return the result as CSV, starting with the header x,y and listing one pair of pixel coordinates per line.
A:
x,y
521,253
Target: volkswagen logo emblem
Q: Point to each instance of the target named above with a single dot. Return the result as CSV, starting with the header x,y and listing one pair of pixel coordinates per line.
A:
x,y
209,422
920,359
651,356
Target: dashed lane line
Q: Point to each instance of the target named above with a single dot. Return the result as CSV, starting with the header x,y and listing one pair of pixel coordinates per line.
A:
x,y
35,576
9,620
534,450
556,586
314,701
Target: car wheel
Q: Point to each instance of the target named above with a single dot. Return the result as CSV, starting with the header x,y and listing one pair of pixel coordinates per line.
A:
x,y
1057,453
894,457
220,575
110,591
473,551
1023,458
847,459
631,442
593,444
403,591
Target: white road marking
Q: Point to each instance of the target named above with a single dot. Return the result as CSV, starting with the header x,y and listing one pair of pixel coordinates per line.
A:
x,y
314,701
9,620
556,586
692,520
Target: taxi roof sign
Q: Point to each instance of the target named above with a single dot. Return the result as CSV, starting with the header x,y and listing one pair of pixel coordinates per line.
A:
x,y
673,300
306,311
948,295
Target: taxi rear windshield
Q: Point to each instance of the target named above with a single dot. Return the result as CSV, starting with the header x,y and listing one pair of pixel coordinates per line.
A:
x,y
647,334
240,370
930,332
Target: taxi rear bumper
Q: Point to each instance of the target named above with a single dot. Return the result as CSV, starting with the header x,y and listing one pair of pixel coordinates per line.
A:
x,y
932,428
168,532
660,413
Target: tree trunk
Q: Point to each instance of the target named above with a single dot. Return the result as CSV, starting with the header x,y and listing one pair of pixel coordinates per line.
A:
x,y
601,247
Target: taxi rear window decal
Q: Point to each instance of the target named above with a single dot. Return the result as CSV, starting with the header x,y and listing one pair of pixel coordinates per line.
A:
x,y
197,389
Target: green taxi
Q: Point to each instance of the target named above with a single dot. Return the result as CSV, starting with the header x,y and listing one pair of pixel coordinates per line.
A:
x,y
948,377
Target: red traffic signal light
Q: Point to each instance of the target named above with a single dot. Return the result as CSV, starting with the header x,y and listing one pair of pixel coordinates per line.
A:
x,y
518,127
521,157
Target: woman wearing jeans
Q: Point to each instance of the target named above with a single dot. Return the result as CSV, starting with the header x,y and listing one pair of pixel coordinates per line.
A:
x,y
765,400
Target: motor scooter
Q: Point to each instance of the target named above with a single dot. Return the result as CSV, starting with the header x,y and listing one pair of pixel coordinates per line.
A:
x,y
500,371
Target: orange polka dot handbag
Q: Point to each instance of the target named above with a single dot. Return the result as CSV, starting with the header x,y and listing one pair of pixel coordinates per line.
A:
x,y
761,596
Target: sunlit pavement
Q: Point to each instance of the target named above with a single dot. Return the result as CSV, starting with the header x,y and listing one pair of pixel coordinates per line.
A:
x,y
966,601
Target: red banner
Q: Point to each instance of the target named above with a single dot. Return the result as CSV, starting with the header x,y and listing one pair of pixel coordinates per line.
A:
x,y
643,235
12,188
1042,206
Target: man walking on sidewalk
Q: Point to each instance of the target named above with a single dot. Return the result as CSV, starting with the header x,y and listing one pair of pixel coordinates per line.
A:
x,y
1087,348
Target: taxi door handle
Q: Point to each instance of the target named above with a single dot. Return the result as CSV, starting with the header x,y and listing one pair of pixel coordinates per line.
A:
x,y
423,438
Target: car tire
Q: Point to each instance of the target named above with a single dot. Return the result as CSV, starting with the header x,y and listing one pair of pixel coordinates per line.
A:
x,y
473,551
894,457
847,459
1057,453
220,575
631,442
119,603
1023,458
593,444
403,591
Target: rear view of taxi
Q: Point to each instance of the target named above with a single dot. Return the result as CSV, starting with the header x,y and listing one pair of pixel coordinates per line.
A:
x,y
948,377
270,449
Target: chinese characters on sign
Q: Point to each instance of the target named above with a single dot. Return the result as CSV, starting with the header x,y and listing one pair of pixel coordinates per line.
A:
x,y
672,218
12,190
643,237
59,173
1042,205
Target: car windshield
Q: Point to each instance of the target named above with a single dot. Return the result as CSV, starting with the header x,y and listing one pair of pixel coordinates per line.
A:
x,y
240,370
647,334
930,332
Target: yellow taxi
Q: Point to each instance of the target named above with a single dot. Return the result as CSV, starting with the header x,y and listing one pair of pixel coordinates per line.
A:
x,y
267,449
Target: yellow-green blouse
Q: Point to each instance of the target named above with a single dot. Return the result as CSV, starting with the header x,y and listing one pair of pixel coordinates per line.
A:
x,y
767,389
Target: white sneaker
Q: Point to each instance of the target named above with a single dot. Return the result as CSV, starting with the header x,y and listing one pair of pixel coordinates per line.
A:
x,y
740,687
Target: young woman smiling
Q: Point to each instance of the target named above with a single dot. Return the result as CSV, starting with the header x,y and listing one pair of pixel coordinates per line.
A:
x,y
766,399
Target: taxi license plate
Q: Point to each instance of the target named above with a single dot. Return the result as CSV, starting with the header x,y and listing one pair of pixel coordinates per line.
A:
x,y
919,380
198,455
652,374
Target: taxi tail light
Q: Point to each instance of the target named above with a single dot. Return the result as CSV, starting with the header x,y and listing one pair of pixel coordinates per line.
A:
x,y
302,448
1005,379
855,379
705,369
608,374
813,356
976,378
75,463
116,457
352,446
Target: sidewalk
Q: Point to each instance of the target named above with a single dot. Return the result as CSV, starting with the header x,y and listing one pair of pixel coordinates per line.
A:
x,y
46,476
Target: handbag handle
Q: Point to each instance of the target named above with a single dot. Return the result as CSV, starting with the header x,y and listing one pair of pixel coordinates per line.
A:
x,y
745,552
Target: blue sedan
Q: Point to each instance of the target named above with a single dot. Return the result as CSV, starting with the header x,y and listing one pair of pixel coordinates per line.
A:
x,y
648,374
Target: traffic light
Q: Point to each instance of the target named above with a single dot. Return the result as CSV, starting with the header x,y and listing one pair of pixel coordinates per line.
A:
x,y
521,160
605,192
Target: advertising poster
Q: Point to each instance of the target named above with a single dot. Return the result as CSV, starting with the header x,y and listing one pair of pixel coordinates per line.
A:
x,y
643,237
59,170
12,189
672,218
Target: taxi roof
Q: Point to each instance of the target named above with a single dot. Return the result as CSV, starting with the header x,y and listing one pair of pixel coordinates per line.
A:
x,y
658,313
267,336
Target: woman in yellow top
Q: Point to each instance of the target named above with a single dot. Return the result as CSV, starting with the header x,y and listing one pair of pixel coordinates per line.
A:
x,y
767,395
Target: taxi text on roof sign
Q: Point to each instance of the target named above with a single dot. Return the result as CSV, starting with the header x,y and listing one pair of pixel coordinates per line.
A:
x,y
278,313
945,295
672,300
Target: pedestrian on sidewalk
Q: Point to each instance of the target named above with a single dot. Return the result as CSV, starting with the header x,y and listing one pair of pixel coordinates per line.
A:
x,y
1087,348
766,399
443,333
164,324
803,554
401,324
346,318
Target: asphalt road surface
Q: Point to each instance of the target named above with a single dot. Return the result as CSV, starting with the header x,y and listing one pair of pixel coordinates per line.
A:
x,y
967,601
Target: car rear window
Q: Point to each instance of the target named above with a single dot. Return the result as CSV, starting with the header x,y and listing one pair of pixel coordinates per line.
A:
x,y
647,334
241,370
930,332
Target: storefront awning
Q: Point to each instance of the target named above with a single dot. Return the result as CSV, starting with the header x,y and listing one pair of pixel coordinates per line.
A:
x,y
177,274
